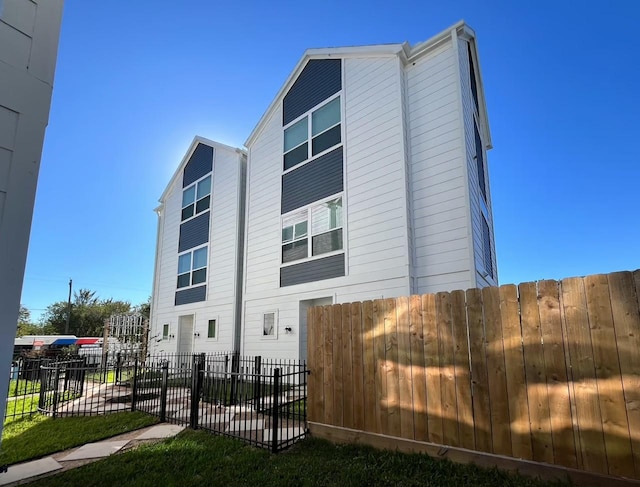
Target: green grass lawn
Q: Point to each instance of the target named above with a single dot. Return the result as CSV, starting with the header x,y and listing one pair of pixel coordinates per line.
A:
x,y
196,458
22,387
39,435
22,406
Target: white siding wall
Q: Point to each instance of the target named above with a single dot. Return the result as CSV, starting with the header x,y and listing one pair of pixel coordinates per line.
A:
x,y
468,107
29,32
438,180
222,263
375,201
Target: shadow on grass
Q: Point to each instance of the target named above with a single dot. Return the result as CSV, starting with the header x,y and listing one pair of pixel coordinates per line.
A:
x,y
37,436
196,458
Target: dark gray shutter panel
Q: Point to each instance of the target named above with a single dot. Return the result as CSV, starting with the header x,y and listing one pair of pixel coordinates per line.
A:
x,y
314,270
319,79
194,232
192,295
200,164
312,181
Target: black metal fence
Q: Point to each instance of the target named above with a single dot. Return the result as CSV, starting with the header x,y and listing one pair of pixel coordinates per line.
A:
x,y
262,401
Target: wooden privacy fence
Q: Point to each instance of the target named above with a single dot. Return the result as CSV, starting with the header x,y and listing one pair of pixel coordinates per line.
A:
x,y
546,371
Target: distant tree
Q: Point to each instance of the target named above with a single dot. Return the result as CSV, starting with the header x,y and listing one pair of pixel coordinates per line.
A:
x,y
88,313
26,326
144,308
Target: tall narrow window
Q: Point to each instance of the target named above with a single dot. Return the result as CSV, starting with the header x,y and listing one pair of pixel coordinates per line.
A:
x,y
211,330
269,325
486,247
165,331
196,198
294,237
472,78
480,163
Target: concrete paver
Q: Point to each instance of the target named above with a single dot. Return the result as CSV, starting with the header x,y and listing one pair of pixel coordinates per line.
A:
x,y
27,470
246,425
160,431
95,450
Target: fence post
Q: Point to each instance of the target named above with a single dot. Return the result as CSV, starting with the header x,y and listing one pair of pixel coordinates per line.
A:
x,y
116,379
235,369
55,391
81,376
274,411
43,388
197,372
257,369
163,392
134,385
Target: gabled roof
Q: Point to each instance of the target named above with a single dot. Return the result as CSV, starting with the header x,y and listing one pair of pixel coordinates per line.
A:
x,y
406,53
196,140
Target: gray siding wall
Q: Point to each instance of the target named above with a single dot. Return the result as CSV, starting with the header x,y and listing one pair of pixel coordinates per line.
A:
x,y
320,79
200,163
194,232
193,295
312,181
315,270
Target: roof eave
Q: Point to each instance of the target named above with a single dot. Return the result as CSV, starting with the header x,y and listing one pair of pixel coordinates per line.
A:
x,y
194,143
321,53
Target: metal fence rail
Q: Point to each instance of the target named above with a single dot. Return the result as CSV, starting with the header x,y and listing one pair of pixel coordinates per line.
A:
x,y
261,401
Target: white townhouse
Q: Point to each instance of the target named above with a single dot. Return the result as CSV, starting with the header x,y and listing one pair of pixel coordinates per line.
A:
x,y
199,251
366,178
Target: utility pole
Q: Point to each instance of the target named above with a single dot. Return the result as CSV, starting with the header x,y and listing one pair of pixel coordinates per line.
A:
x,y
66,327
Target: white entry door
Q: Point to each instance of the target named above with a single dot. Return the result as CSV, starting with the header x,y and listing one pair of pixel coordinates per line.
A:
x,y
185,334
304,307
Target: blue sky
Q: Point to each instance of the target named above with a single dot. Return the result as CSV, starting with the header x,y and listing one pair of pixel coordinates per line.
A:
x,y
135,81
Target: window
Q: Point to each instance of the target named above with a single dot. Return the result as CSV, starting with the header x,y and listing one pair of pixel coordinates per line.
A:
x,y
165,331
480,163
196,198
326,231
192,267
472,78
211,330
269,325
321,127
486,247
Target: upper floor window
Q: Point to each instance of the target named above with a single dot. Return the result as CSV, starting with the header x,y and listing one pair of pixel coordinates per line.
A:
x,y
313,134
482,184
487,250
192,267
196,198
326,231
472,78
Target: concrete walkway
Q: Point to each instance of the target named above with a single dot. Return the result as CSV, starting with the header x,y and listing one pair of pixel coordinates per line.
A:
x,y
75,457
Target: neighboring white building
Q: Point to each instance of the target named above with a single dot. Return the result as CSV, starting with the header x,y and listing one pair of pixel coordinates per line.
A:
x,y
366,178
29,32
196,287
